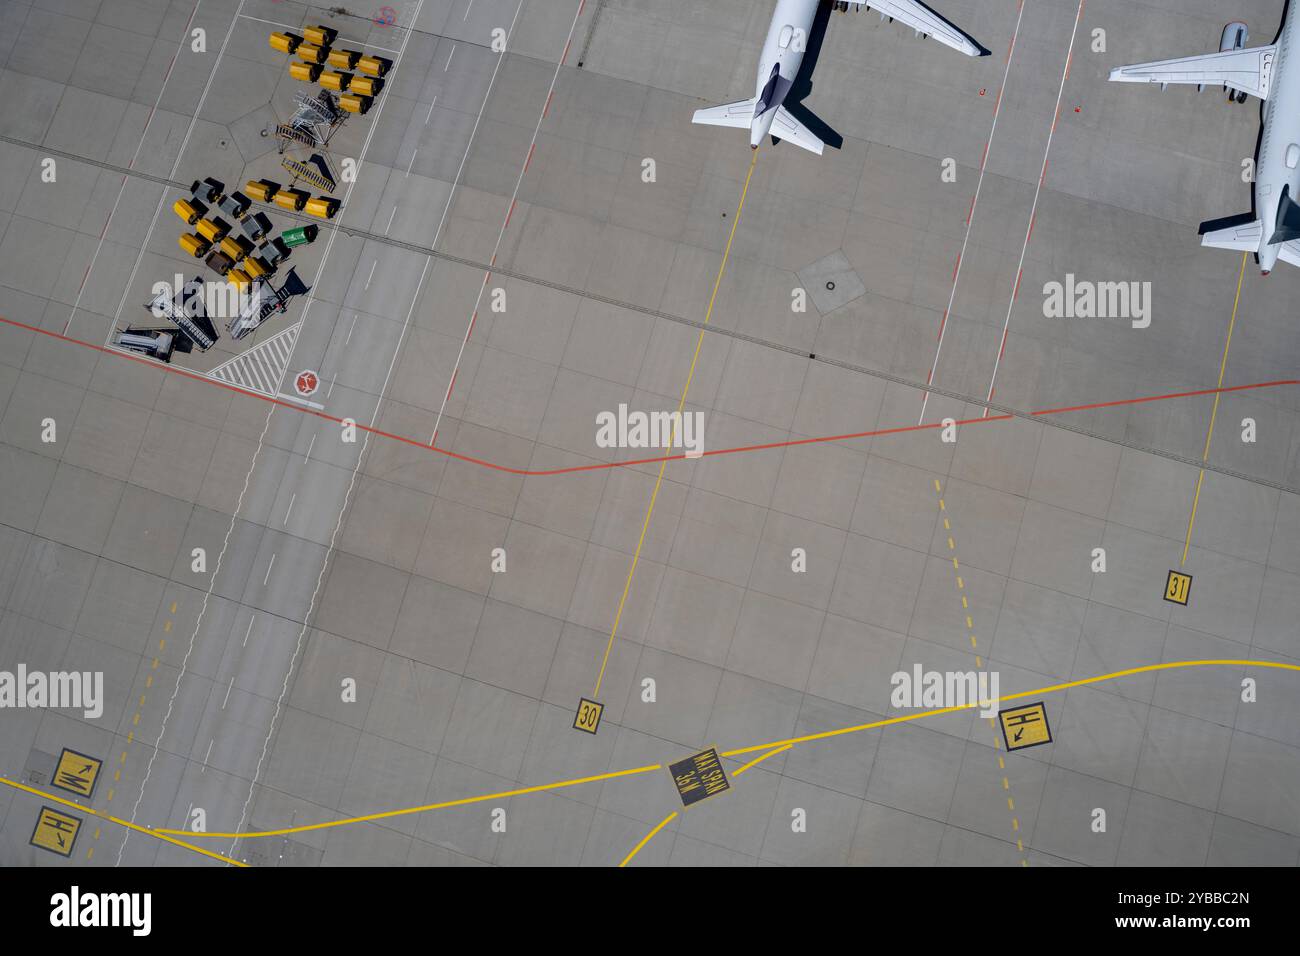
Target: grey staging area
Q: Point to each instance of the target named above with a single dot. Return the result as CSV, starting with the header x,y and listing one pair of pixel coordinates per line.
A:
x,y
329,562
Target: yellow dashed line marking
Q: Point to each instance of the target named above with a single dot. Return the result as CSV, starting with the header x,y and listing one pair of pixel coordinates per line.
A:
x,y
135,722
979,661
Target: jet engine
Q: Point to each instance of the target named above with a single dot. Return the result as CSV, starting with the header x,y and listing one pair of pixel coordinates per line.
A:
x,y
1235,36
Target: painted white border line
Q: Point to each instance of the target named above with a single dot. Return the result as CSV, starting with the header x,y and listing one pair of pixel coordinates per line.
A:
x,y
347,498
246,389
266,426
185,35
510,211
970,218
299,400
162,197
1033,212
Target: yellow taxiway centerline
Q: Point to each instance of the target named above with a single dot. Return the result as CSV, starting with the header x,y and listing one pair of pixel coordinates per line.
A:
x,y
1205,456
775,745
669,819
647,838
100,815
681,406
464,801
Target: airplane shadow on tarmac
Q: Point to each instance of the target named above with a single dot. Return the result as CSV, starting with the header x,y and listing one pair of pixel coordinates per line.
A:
x,y
803,85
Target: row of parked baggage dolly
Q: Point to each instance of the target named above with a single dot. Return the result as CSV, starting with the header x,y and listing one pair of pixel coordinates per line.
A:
x,y
313,49
231,255
295,200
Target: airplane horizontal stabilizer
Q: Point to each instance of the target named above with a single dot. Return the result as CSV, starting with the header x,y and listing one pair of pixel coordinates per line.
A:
x,y
1290,252
786,127
1240,238
739,114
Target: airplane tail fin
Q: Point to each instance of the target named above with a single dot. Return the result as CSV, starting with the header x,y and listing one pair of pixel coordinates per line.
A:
x,y
739,114
1242,237
786,127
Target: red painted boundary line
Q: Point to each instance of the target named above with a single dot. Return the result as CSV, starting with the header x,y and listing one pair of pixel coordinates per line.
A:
x,y
602,466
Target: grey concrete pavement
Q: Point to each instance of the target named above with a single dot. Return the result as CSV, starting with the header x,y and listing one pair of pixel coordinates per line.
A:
x,y
346,646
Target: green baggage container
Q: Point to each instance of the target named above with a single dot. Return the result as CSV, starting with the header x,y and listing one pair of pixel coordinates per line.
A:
x,y
299,236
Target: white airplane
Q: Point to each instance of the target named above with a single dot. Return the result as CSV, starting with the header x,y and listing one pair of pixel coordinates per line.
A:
x,y
1268,73
783,51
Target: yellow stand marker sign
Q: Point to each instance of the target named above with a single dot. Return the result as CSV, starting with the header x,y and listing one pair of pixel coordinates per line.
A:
x,y
55,831
1178,588
1025,726
77,773
587,719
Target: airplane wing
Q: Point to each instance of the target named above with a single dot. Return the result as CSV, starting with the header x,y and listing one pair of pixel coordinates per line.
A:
x,y
1250,71
924,20
739,114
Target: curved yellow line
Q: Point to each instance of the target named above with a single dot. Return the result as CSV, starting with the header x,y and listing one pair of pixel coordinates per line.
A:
x,y
777,744
464,801
647,838
1145,669
101,815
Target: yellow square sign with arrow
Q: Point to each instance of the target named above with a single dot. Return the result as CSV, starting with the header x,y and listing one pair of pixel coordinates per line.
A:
x,y
55,831
77,773
1025,726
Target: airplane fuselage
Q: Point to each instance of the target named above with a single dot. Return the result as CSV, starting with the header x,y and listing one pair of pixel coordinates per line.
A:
x,y
1278,166
783,52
